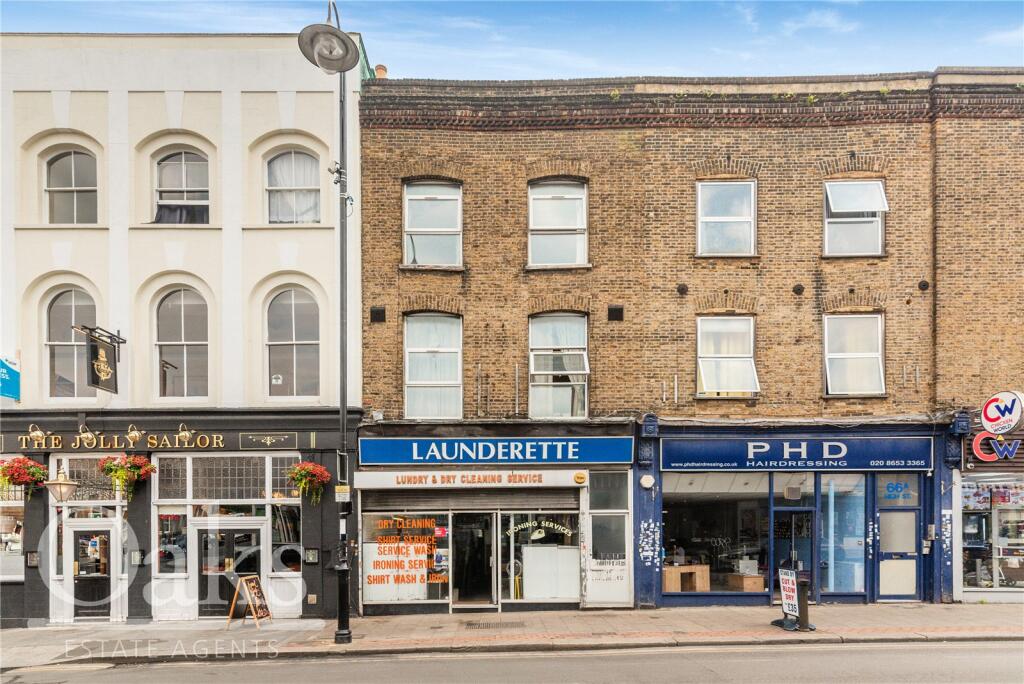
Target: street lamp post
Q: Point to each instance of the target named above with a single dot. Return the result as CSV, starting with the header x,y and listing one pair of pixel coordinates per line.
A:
x,y
334,52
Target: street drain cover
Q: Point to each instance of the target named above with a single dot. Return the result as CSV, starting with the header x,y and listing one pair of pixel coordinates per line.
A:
x,y
494,625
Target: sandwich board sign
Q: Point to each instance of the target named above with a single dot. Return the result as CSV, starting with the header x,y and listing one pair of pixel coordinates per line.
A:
x,y
787,587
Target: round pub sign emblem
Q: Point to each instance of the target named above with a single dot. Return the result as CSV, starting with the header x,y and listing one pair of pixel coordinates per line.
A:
x,y
1002,413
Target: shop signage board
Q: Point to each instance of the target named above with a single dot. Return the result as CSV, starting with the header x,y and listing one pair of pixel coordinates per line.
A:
x,y
102,369
498,451
256,601
796,452
787,587
468,479
1003,452
10,379
1002,413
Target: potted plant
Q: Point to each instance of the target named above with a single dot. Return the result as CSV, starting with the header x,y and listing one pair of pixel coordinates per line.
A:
x,y
310,479
22,472
124,471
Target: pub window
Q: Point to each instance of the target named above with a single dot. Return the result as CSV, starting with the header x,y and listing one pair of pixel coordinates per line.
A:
x,y
71,187
293,344
433,366
182,188
172,549
558,224
293,188
182,346
286,538
559,366
66,349
222,478
280,487
433,224
853,355
12,526
854,218
172,477
725,218
725,356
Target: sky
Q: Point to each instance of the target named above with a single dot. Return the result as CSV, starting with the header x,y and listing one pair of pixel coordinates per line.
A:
x,y
536,39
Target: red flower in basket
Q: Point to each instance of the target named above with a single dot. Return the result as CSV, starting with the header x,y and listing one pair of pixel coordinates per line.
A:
x,y
22,472
310,479
124,471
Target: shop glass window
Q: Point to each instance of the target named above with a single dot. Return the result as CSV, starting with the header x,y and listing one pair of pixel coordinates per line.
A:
x,y
725,222
900,489
559,366
71,187
222,478
841,554
12,527
182,188
609,491
558,224
608,537
405,557
540,557
293,344
725,356
286,537
172,543
716,530
794,489
854,216
293,188
853,355
66,349
280,487
172,477
433,366
182,344
433,224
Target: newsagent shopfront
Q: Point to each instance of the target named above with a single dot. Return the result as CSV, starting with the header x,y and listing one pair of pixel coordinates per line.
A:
x,y
511,516
857,512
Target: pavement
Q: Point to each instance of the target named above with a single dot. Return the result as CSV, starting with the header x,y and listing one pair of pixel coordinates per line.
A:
x,y
504,632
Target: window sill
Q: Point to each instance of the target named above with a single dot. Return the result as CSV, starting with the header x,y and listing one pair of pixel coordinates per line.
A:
x,y
61,226
559,267
428,268
708,397
287,226
173,226
727,256
883,255
856,396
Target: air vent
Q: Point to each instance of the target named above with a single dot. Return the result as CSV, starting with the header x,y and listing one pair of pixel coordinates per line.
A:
x,y
378,314
616,312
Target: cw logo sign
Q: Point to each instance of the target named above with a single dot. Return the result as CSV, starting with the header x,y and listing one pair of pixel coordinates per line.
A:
x,y
1002,413
1000,448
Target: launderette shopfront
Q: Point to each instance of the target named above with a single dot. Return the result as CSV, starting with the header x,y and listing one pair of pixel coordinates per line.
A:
x,y
853,511
512,516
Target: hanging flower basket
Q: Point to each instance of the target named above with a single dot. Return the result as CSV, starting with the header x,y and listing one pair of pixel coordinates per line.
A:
x,y
22,472
125,471
310,478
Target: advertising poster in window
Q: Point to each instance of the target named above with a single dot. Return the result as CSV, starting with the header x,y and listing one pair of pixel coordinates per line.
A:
x,y
405,557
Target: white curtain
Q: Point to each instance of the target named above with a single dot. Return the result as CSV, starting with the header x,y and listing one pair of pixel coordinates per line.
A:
x,y
726,336
558,332
433,332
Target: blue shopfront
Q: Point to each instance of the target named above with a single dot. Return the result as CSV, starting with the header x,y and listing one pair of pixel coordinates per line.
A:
x,y
863,513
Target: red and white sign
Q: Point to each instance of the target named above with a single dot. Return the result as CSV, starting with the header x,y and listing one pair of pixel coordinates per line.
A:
x,y
1002,413
787,586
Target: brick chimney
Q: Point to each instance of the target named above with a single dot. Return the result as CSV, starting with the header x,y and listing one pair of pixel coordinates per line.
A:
x,y
381,71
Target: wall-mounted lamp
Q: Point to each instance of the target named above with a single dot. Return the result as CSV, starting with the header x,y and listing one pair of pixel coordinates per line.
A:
x,y
134,434
184,433
87,433
37,434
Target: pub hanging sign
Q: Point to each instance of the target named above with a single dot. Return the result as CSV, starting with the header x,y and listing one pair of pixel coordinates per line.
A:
x,y
104,351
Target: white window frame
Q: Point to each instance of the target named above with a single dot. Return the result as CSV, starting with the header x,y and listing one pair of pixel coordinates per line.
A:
x,y
536,191
406,230
857,355
543,351
157,189
701,219
432,383
701,357
158,344
47,344
878,220
267,344
74,189
269,189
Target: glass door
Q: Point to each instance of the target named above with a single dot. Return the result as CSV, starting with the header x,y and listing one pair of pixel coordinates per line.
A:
x,y
473,564
1009,546
794,545
898,555
224,555
91,568
843,539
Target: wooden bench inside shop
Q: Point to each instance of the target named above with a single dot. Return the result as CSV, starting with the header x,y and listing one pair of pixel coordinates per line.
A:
x,y
677,578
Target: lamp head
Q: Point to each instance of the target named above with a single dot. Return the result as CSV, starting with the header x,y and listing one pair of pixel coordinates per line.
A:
x,y
184,433
36,434
329,48
62,488
134,434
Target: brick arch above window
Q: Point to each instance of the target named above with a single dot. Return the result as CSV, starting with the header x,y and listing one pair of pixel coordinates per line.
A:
x,y
431,169
559,302
722,302
551,169
420,303
727,167
855,166
859,301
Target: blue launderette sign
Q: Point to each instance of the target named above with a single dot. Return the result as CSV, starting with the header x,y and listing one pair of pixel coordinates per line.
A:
x,y
10,380
797,452
501,451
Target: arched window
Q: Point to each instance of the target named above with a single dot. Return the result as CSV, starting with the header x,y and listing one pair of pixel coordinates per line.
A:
x,y
182,344
71,187
67,348
182,188
293,344
293,188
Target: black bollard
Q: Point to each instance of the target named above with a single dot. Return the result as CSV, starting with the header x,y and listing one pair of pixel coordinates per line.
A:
x,y
803,589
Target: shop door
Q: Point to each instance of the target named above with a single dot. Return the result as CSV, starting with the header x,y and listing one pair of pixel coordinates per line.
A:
x,y
794,545
224,556
473,563
91,568
899,555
